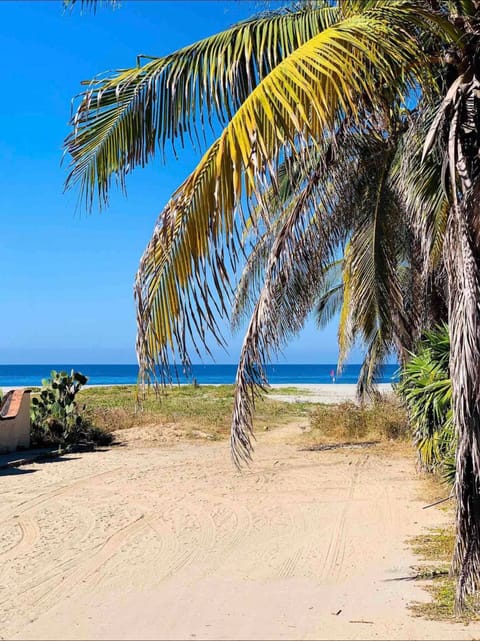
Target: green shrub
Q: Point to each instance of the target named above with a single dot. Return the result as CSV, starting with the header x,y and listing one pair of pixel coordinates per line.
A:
x,y
426,388
56,417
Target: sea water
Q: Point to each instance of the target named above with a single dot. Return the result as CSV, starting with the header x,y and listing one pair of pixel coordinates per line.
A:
x,y
32,375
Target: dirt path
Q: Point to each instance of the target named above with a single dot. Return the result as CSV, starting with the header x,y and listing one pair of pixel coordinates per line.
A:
x,y
172,543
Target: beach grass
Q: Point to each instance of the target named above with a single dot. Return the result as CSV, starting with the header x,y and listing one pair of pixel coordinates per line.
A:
x,y
435,548
207,408
290,390
206,411
385,419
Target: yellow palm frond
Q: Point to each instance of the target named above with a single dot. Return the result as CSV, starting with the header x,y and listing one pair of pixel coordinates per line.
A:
x,y
333,74
124,117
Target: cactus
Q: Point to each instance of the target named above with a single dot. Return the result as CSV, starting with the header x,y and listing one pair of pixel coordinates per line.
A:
x,y
56,416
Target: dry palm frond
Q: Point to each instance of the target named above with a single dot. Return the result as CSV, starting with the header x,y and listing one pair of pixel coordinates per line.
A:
x,y
417,183
251,279
296,261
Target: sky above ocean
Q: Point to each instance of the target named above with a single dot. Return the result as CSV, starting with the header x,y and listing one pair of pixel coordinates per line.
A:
x,y
66,289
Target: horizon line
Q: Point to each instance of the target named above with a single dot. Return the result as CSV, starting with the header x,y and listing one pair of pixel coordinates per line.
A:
x,y
178,365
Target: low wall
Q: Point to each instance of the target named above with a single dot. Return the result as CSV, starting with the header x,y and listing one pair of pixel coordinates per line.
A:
x,y
15,421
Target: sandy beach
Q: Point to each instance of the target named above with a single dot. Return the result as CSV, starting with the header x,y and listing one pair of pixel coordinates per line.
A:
x,y
322,393
308,392
174,543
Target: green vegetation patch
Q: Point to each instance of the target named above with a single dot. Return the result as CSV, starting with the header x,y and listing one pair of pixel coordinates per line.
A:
x,y
290,391
58,419
207,408
436,548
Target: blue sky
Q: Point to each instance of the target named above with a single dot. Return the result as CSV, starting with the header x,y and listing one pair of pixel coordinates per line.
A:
x,y
66,276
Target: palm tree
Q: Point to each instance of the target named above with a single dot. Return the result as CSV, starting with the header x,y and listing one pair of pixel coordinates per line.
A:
x,y
456,133
304,91
287,97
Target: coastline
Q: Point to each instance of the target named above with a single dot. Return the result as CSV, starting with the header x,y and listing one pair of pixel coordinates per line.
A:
x,y
322,392
307,392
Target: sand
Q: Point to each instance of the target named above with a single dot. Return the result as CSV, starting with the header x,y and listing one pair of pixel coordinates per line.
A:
x,y
310,392
173,543
322,392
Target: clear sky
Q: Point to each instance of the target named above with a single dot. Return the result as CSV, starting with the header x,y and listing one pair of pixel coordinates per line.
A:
x,y
66,277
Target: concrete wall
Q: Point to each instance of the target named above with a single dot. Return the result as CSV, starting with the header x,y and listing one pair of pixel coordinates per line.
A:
x,y
15,421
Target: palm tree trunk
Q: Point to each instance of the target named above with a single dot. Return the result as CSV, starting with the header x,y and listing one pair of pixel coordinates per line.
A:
x,y
463,268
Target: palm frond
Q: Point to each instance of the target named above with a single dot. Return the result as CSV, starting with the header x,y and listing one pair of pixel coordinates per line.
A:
x,y
251,279
307,92
377,352
373,298
417,183
294,175
296,262
123,118
330,298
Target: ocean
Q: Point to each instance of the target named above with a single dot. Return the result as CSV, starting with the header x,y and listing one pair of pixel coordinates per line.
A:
x,y
32,375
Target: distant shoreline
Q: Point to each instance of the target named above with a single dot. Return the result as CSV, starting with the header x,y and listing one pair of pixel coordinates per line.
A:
x,y
307,392
322,392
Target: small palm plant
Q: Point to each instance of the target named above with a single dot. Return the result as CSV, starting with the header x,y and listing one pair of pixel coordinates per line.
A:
x,y
427,390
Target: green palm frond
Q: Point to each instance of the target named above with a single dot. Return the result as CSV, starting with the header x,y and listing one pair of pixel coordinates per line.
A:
x,y
124,117
330,298
426,388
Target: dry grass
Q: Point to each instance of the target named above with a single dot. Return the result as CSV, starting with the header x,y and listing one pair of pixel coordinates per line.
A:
x,y
385,419
203,411
207,410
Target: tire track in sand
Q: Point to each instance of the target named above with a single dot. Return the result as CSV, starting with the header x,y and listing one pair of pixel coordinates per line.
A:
x,y
335,556
29,535
82,572
58,489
